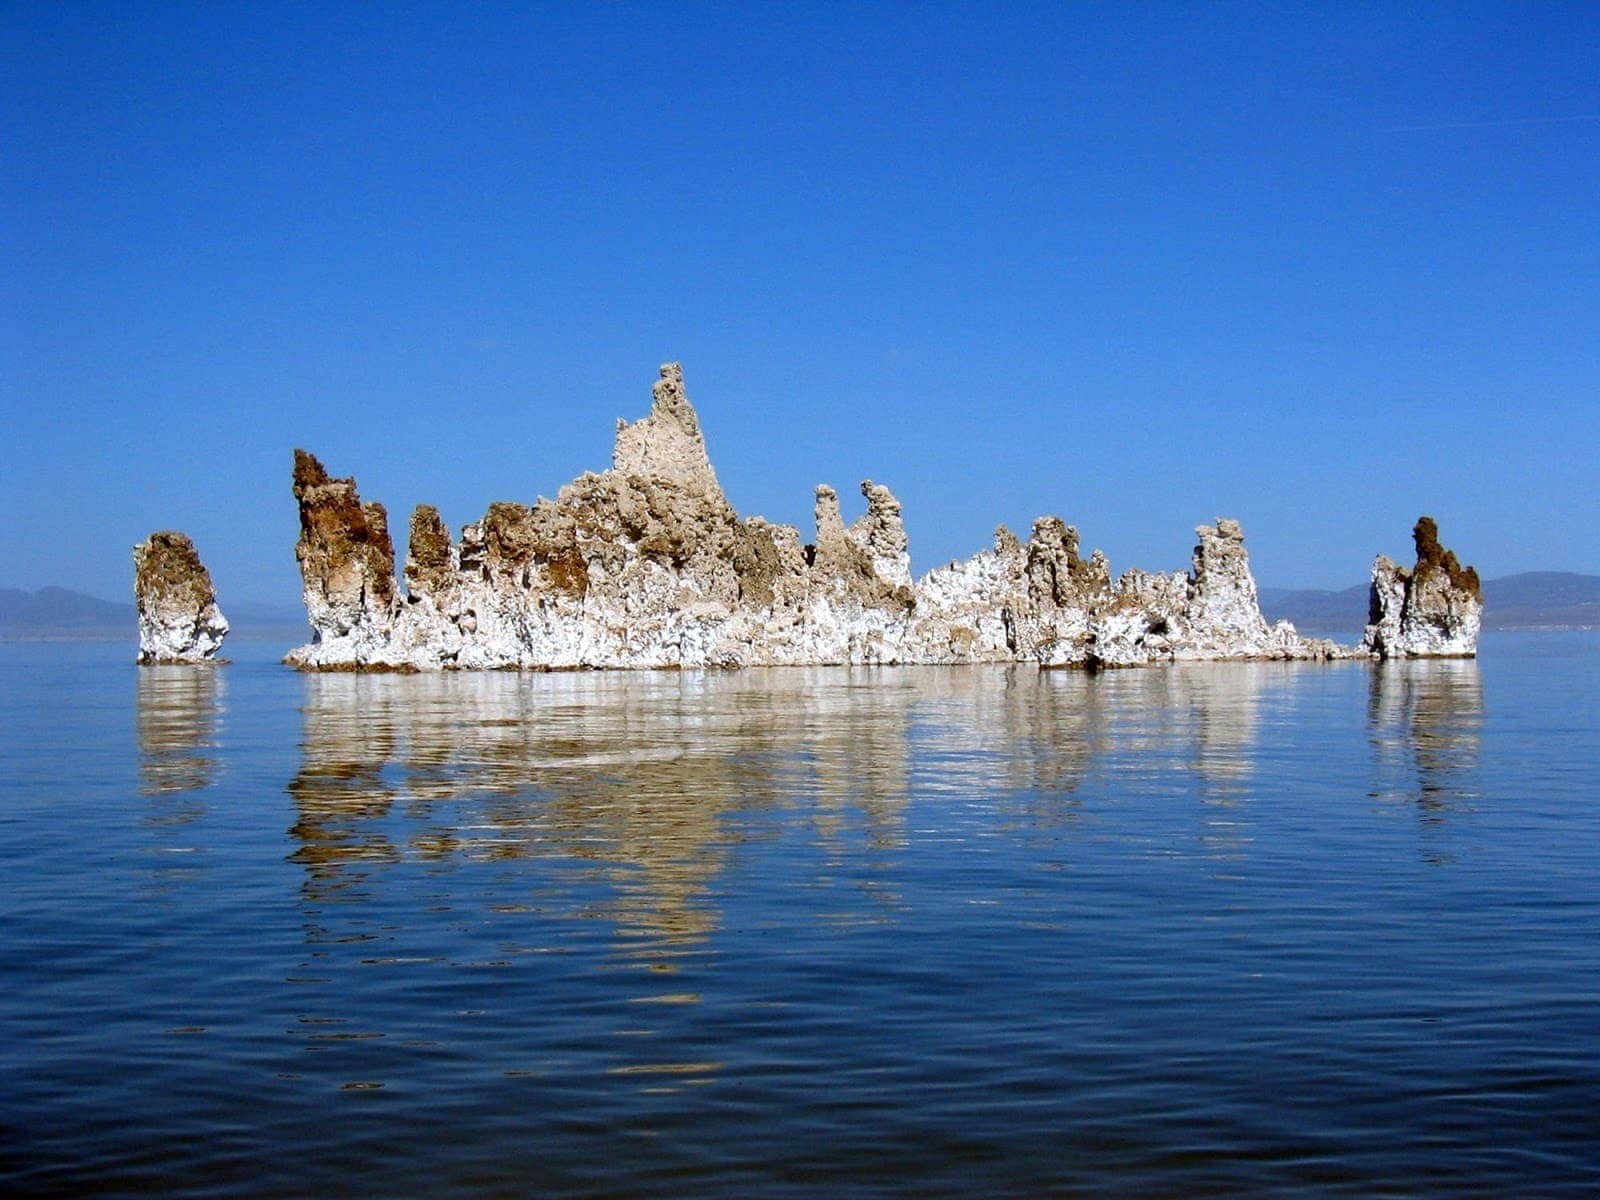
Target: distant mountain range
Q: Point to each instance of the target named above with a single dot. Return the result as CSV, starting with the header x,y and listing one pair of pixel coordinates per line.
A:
x,y
1533,600
57,609
56,614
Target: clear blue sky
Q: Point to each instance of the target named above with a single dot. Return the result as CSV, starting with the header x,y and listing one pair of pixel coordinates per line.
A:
x,y
1319,267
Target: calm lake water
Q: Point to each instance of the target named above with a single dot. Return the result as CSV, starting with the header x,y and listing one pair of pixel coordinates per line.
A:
x,y
1214,930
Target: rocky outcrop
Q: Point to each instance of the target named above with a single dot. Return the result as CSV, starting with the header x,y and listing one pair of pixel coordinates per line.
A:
x,y
179,621
1433,610
647,564
346,563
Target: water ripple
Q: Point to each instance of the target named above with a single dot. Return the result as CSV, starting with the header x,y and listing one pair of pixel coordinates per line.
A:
x,y
1228,929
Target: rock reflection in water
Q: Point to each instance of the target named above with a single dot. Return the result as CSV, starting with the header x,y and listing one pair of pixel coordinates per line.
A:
x,y
1196,726
653,780
1203,716
637,774
1004,729
176,720
1425,720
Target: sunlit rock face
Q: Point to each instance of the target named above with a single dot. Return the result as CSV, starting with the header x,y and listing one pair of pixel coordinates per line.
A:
x,y
648,565
347,566
179,621
1433,610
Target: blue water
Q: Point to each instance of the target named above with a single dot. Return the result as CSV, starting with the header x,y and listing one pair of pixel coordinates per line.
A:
x,y
1216,930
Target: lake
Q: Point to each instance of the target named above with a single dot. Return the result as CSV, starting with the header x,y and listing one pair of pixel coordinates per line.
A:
x,y
1207,930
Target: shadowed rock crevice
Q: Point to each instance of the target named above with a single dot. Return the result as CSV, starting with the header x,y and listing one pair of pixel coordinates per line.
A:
x,y
647,564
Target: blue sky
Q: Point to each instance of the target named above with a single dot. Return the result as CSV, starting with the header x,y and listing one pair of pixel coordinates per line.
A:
x,y
1320,268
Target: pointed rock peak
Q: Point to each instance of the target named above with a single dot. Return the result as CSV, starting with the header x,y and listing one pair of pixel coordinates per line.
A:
x,y
429,540
169,553
1431,555
1425,533
1226,530
878,495
1223,606
1054,534
327,501
429,525
883,510
669,396
826,511
1220,559
1056,575
428,556
868,560
667,444
1222,543
1433,610
882,533
345,552
308,471
1005,542
377,518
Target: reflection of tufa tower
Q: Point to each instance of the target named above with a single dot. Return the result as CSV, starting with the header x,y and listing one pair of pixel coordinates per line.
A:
x,y
650,779
1226,703
1425,721
177,728
635,774
341,796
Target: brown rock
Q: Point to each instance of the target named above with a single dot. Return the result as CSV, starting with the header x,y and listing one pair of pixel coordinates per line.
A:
x,y
1433,610
179,621
346,556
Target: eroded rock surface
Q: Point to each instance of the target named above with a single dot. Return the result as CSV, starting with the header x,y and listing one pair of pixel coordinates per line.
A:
x,y
346,563
1433,610
648,565
179,621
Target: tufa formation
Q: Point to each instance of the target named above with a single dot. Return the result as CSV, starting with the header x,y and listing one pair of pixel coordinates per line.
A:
x,y
649,565
1433,610
179,621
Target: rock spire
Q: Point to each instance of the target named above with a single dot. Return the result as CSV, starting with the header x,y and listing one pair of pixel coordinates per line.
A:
x,y
1433,610
179,621
647,564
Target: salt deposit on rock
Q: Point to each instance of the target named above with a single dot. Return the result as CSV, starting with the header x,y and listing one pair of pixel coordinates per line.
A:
x,y
179,621
648,565
1434,610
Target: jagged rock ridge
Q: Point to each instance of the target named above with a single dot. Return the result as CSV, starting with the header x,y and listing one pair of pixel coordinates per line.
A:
x,y
179,621
1434,610
648,565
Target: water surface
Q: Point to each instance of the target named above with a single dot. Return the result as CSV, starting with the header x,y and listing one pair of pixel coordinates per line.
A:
x,y
1224,929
